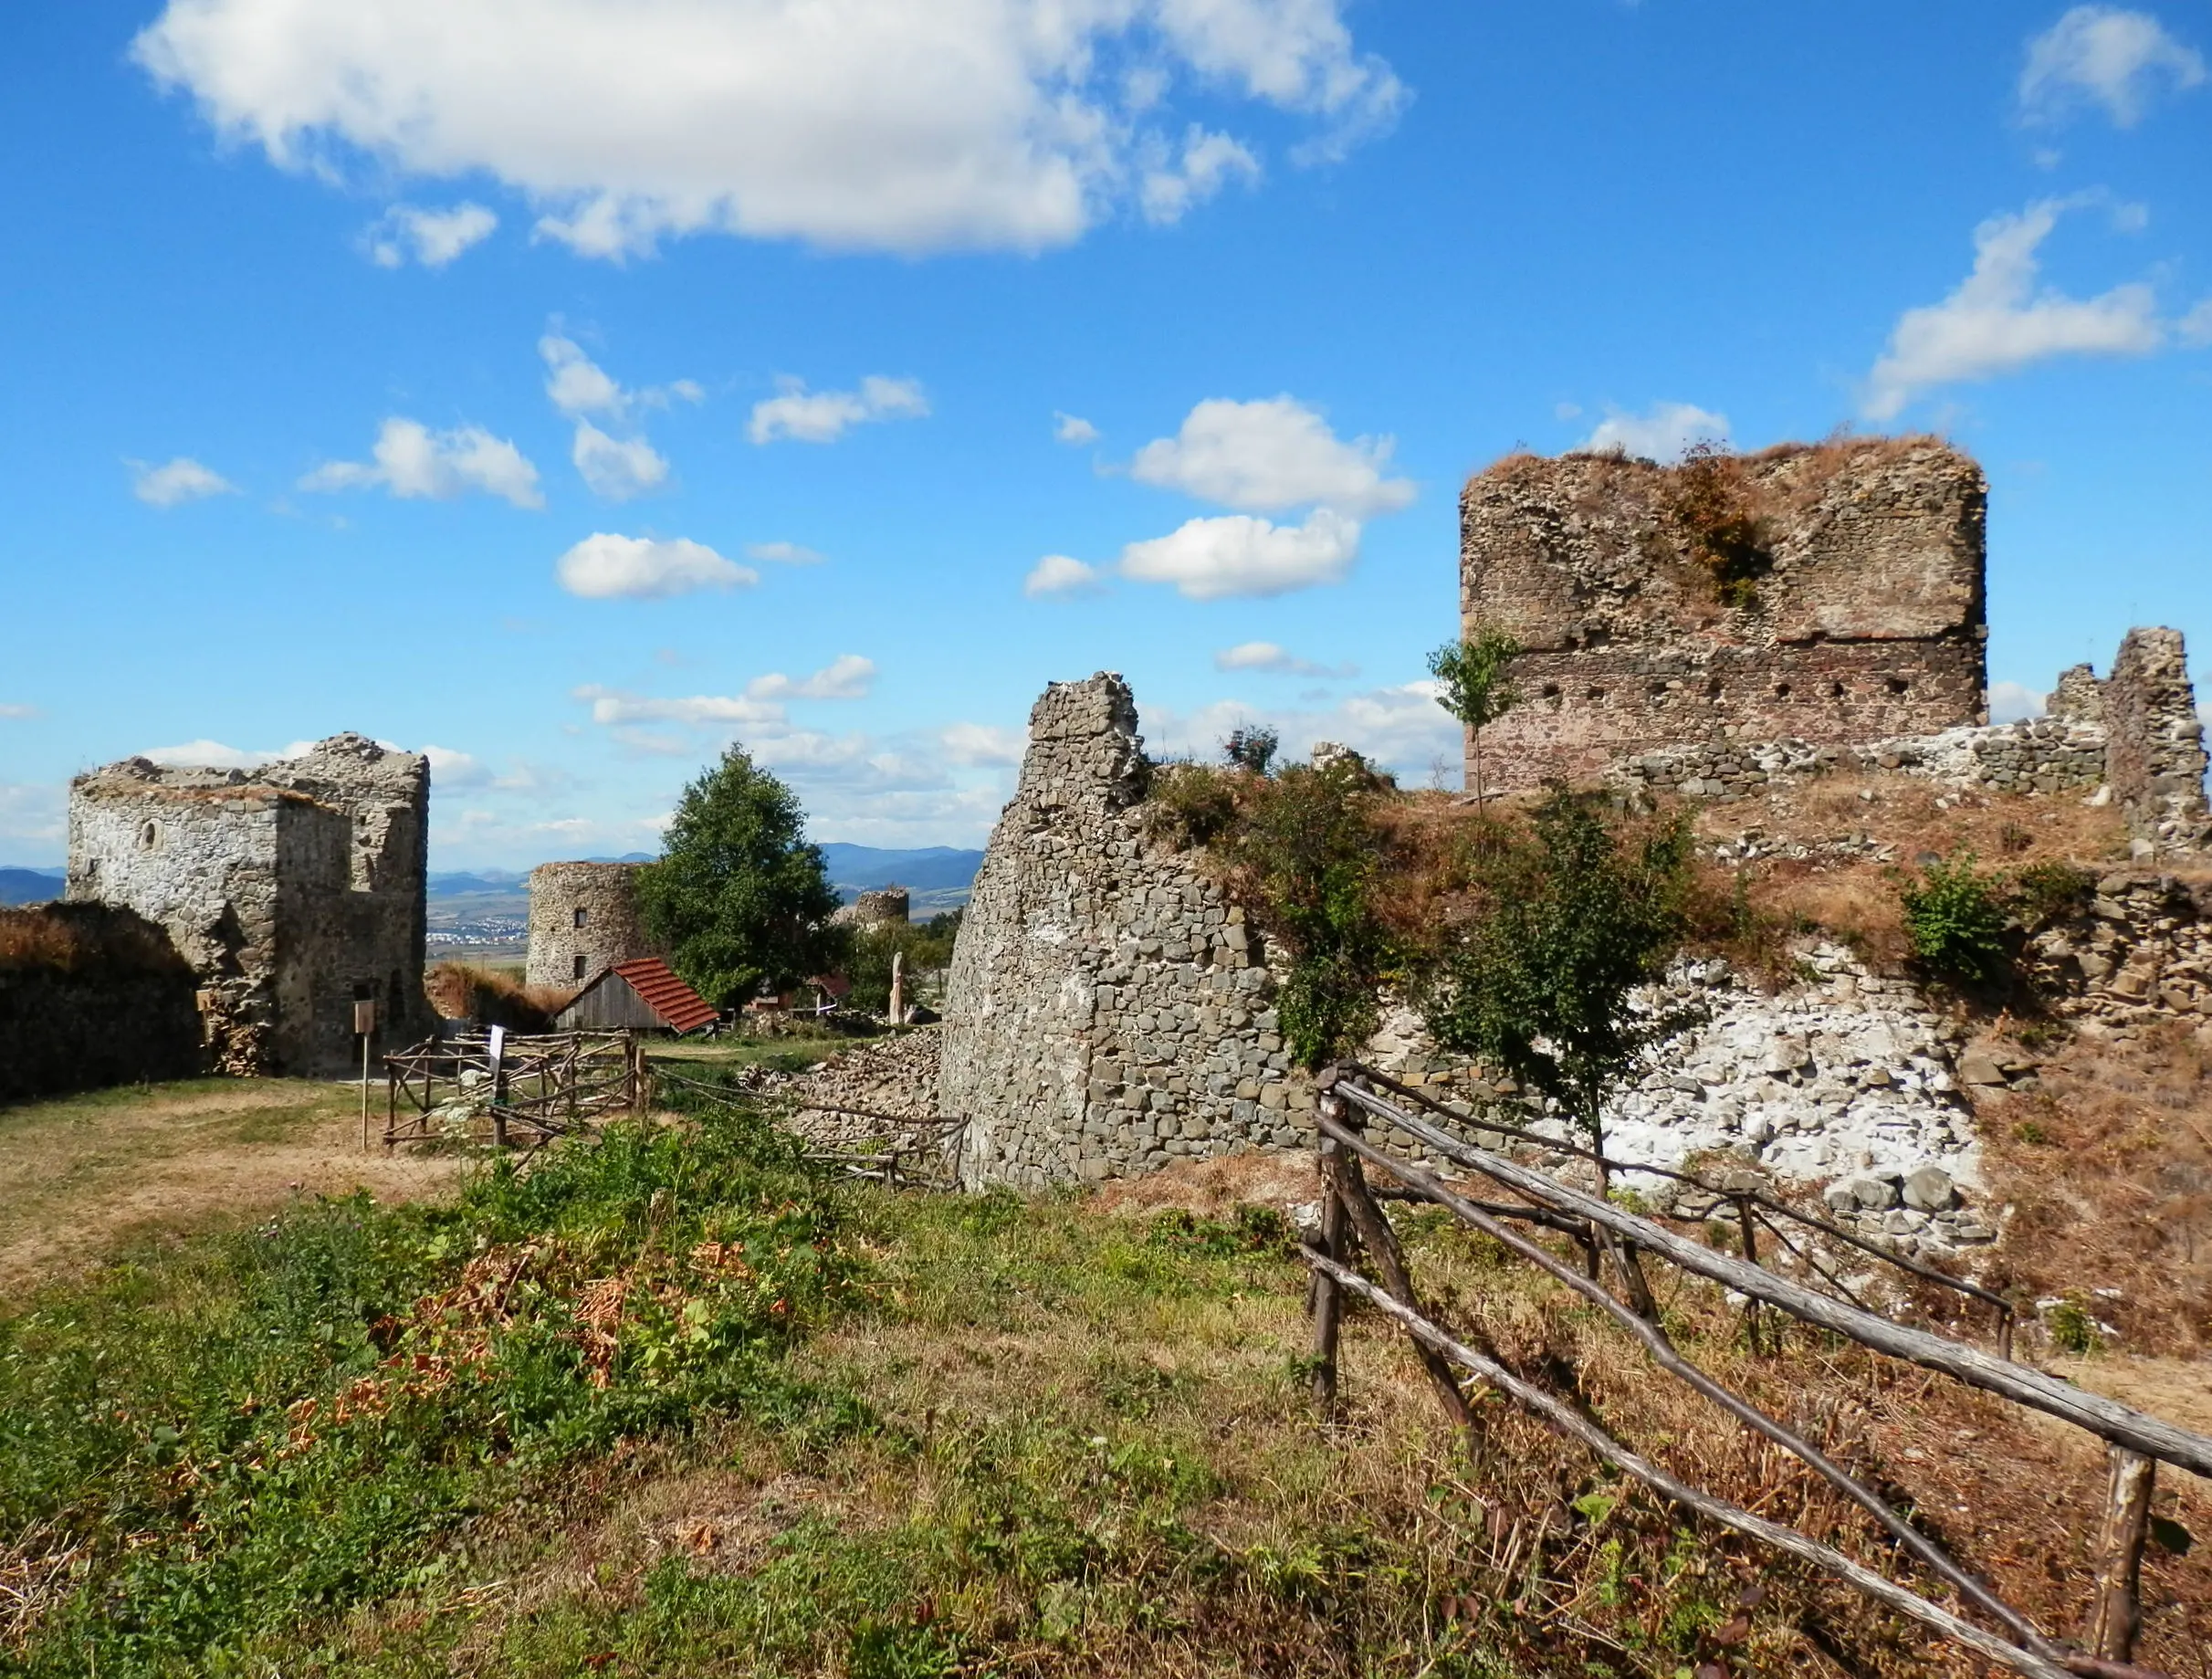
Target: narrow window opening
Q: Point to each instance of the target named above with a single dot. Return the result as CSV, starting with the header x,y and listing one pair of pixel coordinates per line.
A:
x,y
149,836
582,916
1781,690
1835,690
1898,684
580,967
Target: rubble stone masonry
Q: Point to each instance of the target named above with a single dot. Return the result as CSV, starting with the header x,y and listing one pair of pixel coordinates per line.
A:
x,y
293,891
2155,758
583,919
1861,617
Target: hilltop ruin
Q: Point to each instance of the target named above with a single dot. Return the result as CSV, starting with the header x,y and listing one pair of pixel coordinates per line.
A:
x,y
293,891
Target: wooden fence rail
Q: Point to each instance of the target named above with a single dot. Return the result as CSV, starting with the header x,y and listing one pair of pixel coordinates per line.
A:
x,y
538,1086
1351,1209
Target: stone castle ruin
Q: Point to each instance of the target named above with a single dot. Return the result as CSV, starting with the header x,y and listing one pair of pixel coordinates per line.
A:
x,y
583,919
293,891
1829,596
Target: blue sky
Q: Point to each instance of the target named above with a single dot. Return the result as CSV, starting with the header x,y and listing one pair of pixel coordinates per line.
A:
x,y
573,385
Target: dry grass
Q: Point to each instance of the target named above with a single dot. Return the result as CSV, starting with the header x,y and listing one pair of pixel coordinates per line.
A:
x,y
468,991
84,938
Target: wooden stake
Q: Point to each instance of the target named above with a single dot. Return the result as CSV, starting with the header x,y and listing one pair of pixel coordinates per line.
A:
x,y
2127,1518
1328,1298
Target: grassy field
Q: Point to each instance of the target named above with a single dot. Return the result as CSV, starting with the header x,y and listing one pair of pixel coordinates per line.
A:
x,y
675,1405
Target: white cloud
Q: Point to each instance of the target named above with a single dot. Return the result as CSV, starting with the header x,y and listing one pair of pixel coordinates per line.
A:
x,y
604,566
1263,456
35,815
1072,428
414,462
1265,655
846,676
2011,701
612,706
432,237
1401,726
17,713
983,743
784,553
1663,433
2105,55
1172,186
1214,558
176,481
824,416
2194,328
1057,574
617,468
451,769
214,755
876,124
580,386
1996,322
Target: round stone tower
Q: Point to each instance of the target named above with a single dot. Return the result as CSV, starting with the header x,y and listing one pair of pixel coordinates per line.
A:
x,y
583,917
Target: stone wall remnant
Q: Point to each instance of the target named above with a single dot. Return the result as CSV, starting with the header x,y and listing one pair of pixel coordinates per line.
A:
x,y
1830,594
583,919
293,890
885,907
2079,696
92,995
1108,1010
2155,753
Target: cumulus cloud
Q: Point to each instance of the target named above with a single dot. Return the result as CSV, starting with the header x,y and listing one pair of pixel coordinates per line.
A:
x,y
578,386
1998,322
614,705
983,743
846,676
2108,56
1061,574
204,754
1173,185
450,768
784,553
604,566
1072,428
432,237
1264,456
1216,559
1401,726
2194,328
1666,432
824,416
412,461
871,125
16,713
33,815
1265,655
617,468
2011,701
175,482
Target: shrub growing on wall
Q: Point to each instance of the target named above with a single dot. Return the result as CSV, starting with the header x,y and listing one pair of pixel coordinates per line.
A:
x,y
1958,920
739,898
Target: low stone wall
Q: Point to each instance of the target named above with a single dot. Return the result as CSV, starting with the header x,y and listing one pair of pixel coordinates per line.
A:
x,y
92,996
2138,952
2039,756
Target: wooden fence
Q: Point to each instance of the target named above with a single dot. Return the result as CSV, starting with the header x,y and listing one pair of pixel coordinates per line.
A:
x,y
537,1088
1616,1240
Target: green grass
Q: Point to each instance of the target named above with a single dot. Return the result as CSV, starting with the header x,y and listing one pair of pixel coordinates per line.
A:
x,y
675,1405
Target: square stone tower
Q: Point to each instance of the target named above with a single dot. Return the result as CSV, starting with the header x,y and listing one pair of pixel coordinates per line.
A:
x,y
294,890
1832,594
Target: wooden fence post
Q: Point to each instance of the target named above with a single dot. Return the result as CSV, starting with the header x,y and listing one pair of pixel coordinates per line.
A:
x,y
2127,1519
1751,1256
1328,1297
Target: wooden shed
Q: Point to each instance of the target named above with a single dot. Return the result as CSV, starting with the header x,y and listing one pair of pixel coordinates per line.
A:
x,y
643,995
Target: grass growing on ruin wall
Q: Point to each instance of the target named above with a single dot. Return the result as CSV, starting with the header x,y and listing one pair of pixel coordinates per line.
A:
x,y
493,996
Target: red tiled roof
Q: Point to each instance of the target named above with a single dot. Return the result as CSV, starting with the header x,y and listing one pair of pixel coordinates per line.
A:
x,y
667,996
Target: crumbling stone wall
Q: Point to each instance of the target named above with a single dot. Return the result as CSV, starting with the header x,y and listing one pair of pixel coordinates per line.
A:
x,y
1858,615
584,918
2041,755
91,995
292,891
885,907
2155,755
1107,1009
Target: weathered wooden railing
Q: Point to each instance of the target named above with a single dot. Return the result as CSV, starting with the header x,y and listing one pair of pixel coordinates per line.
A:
x,y
519,1089
898,1150
2135,1443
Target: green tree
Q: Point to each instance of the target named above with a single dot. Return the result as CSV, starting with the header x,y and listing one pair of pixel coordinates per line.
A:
x,y
739,898
1572,923
1307,851
1477,675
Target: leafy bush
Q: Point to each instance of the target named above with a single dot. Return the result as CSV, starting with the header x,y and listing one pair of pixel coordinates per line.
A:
x,y
1252,749
289,1421
1727,535
2043,893
925,945
1190,804
1958,920
1570,924
1475,672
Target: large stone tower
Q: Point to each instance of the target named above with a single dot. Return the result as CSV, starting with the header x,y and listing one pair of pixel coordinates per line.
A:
x,y
1830,594
583,917
294,890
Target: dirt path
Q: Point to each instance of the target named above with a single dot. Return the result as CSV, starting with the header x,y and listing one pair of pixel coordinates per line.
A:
x,y
81,1176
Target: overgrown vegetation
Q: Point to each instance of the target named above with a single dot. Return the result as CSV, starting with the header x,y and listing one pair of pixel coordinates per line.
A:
x,y
1966,923
235,1447
1710,497
737,897
1570,921
492,996
1476,675
926,947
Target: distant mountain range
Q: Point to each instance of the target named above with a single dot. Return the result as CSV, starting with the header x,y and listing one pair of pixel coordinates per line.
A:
x,y
936,877
31,885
